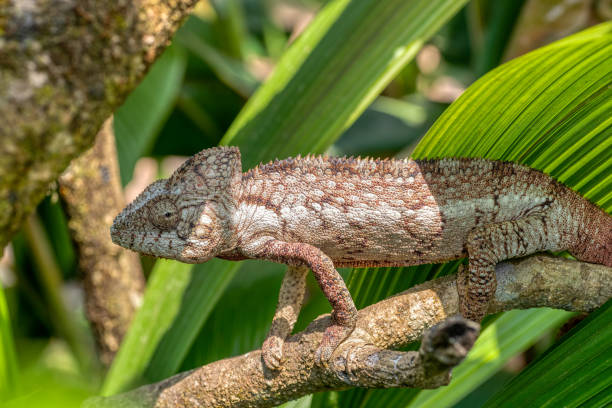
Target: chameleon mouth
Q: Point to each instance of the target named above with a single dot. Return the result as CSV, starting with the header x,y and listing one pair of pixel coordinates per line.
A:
x,y
134,242
115,235
127,239
157,245
124,238
119,230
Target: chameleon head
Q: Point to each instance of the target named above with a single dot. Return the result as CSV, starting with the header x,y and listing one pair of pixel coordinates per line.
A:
x,y
187,217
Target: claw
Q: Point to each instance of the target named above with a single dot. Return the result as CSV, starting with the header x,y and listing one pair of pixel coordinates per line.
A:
x,y
333,336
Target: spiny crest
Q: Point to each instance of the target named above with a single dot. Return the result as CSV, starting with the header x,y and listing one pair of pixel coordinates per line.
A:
x,y
375,167
447,165
330,165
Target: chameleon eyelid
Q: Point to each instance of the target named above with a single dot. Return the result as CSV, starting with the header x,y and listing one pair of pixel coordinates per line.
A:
x,y
164,214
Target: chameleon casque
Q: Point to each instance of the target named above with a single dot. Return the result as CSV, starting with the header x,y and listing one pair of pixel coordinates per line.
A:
x,y
318,213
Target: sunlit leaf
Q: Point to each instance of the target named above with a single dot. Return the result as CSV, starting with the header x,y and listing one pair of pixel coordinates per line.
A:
x,y
139,119
178,300
8,356
303,402
574,373
334,70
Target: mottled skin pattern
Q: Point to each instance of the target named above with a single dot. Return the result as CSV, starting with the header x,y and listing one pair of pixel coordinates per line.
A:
x,y
324,212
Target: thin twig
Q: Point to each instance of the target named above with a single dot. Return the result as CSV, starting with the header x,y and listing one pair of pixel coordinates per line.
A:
x,y
113,278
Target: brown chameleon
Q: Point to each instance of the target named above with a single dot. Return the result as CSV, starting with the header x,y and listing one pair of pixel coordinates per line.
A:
x,y
319,213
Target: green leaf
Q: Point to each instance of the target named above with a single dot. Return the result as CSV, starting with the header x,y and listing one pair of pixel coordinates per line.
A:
x,y
333,71
233,328
303,402
231,25
230,331
503,16
177,302
550,109
370,285
397,124
229,71
204,109
138,121
574,373
8,355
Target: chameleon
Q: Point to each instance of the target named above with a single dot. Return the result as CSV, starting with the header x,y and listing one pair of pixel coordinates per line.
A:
x,y
318,213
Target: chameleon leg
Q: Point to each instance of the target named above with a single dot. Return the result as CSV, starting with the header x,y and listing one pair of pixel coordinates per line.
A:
x,y
488,245
344,313
290,300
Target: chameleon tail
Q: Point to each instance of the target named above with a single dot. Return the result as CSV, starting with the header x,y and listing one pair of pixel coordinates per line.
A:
x,y
596,245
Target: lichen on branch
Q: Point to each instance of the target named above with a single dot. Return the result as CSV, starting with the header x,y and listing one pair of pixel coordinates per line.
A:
x,y
65,65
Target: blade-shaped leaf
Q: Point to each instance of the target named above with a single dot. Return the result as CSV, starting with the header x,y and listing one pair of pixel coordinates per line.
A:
x,y
549,109
332,72
369,285
229,71
141,116
8,356
576,372
303,402
241,319
178,300
230,330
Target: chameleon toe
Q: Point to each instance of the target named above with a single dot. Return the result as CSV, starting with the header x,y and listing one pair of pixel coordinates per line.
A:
x,y
272,352
333,336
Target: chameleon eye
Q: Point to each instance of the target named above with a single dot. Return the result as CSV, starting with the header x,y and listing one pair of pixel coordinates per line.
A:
x,y
164,214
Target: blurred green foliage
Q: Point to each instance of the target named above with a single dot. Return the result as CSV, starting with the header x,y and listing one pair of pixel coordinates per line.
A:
x,y
348,85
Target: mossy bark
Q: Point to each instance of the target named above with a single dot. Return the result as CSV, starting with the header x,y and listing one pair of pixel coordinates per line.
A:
x,y
65,65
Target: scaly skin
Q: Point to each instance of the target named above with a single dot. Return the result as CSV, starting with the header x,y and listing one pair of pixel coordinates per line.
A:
x,y
324,212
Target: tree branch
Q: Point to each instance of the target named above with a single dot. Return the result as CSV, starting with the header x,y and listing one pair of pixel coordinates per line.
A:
x,y
243,381
65,65
113,278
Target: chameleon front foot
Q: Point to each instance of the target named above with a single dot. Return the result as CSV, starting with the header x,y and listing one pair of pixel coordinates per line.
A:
x,y
333,336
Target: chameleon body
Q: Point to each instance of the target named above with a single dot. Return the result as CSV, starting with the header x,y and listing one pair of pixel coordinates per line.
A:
x,y
318,213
